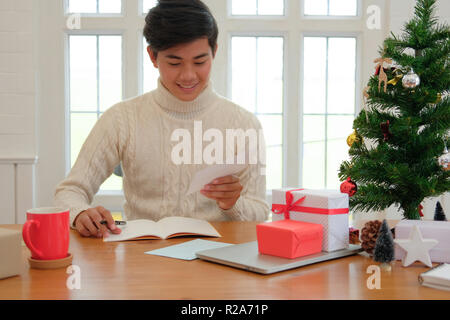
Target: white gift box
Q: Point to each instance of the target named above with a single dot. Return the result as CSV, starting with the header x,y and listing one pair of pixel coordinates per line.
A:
x,y
439,230
326,207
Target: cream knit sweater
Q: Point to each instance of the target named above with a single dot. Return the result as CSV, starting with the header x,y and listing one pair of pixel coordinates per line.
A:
x,y
137,133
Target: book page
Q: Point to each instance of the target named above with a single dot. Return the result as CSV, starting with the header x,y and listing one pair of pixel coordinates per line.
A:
x,y
134,229
174,225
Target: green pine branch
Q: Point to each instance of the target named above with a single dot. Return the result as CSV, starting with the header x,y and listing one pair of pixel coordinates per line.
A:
x,y
404,170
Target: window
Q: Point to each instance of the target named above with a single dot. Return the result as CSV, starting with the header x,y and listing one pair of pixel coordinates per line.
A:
x,y
328,107
150,74
256,60
147,5
330,7
95,84
94,6
257,85
257,7
299,73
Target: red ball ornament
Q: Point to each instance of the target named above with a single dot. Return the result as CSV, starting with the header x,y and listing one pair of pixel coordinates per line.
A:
x,y
349,186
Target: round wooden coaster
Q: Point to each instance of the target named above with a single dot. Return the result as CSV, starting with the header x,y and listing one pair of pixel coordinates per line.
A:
x,y
51,264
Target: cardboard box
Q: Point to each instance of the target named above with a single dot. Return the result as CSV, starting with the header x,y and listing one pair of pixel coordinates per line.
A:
x,y
10,253
289,239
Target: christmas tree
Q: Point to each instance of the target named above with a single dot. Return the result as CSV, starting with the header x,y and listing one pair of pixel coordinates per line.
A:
x,y
403,128
384,246
439,214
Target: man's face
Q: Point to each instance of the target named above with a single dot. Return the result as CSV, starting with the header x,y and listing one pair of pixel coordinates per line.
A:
x,y
184,69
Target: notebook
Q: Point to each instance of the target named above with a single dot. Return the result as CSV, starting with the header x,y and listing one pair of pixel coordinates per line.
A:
x,y
165,228
437,277
246,256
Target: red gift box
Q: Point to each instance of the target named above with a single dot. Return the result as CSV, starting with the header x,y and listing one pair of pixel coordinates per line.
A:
x,y
289,239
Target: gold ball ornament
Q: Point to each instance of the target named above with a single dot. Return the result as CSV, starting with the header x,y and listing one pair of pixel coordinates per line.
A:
x,y
352,138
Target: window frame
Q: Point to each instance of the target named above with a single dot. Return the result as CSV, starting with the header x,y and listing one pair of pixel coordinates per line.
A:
x,y
52,166
230,15
129,27
122,13
358,89
68,111
358,16
141,7
284,115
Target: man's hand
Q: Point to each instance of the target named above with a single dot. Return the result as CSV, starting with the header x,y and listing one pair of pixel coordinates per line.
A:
x,y
88,223
225,190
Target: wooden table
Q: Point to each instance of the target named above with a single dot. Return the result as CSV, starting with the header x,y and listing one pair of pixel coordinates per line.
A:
x,y
121,270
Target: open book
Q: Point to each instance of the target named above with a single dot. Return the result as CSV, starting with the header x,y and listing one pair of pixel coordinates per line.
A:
x,y
163,229
437,277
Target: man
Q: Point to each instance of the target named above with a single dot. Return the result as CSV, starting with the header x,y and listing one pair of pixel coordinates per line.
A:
x,y
138,133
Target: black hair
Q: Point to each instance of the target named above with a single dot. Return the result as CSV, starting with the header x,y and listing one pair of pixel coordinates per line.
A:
x,y
173,22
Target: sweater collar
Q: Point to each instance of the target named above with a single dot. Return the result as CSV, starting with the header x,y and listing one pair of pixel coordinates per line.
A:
x,y
167,101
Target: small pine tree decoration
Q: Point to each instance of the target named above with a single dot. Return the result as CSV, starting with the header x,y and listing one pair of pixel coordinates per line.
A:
x,y
403,128
439,214
384,247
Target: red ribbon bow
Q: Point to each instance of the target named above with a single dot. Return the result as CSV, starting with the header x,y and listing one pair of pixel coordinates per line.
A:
x,y
289,206
285,208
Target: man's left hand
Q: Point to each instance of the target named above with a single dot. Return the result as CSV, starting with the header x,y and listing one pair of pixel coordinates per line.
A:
x,y
225,190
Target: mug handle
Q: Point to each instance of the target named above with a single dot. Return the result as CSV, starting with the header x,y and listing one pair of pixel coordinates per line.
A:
x,y
27,238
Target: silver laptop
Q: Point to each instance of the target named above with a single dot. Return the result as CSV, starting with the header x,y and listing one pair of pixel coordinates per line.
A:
x,y
246,256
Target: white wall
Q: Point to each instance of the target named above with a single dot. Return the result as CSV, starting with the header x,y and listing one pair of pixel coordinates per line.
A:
x,y
17,79
18,88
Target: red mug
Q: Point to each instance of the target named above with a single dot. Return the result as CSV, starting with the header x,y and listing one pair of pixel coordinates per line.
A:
x,y
46,233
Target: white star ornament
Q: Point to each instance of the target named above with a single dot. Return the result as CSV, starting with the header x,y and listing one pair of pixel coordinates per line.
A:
x,y
416,247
